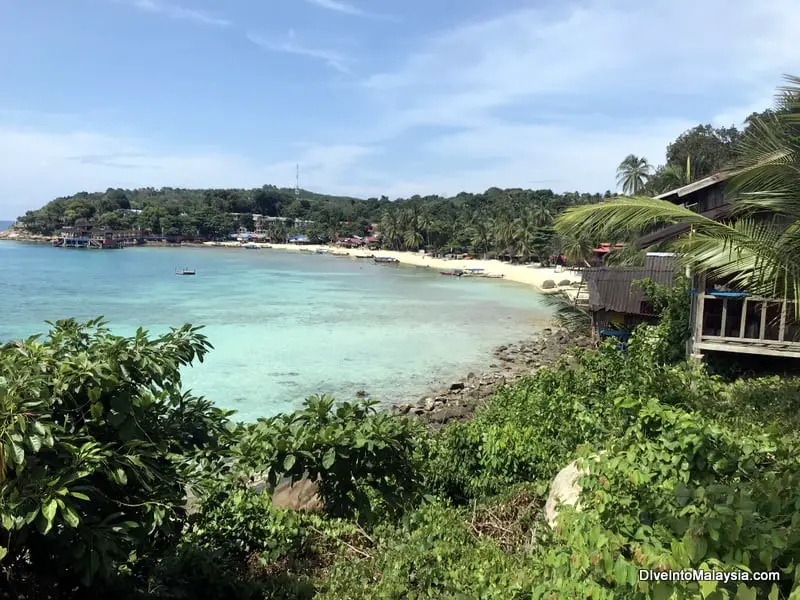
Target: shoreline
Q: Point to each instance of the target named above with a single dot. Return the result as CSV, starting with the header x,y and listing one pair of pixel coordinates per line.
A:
x,y
528,275
509,363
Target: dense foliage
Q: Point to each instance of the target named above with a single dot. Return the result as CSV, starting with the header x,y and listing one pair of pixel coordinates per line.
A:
x,y
116,482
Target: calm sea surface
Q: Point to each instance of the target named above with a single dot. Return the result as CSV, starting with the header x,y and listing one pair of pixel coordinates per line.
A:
x,y
283,325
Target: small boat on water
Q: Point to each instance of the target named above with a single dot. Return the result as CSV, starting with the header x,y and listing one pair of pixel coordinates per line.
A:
x,y
252,246
323,251
474,272
306,250
185,271
363,255
453,273
340,253
385,259
494,275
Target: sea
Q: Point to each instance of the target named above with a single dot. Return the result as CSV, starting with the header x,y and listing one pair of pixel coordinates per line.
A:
x,y
284,325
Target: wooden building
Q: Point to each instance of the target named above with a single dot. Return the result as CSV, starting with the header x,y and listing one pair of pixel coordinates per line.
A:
x,y
724,319
616,297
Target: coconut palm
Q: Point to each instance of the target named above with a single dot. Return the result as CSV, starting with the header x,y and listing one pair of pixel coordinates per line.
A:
x,y
633,173
758,250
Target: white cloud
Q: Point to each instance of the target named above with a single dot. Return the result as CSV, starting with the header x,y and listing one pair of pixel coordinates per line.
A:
x,y
494,83
174,11
36,166
342,7
335,60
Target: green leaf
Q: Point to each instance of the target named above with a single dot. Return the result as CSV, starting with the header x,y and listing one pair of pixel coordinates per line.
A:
x,y
17,453
79,496
36,442
329,458
70,516
746,593
288,462
3,552
49,510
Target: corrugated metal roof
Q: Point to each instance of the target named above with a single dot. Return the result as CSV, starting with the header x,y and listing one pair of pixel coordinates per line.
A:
x,y
680,192
612,289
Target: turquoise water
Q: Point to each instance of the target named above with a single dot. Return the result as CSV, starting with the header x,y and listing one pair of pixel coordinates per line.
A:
x,y
283,325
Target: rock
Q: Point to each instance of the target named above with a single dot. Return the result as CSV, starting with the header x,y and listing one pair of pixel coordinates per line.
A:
x,y
547,331
471,375
564,491
450,413
402,408
429,404
458,385
494,366
302,495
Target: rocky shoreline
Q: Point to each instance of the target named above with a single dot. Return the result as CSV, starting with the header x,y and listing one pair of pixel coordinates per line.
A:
x,y
510,363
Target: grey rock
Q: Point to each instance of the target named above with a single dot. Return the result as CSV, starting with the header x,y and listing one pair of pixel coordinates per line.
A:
x,y
458,385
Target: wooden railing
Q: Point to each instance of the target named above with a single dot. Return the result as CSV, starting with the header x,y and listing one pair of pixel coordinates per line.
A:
x,y
749,328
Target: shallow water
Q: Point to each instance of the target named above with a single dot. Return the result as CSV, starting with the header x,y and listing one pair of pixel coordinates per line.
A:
x,y
283,325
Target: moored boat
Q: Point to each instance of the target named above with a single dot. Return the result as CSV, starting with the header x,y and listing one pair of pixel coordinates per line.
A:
x,y
340,253
474,272
323,251
185,271
385,259
453,273
494,275
364,255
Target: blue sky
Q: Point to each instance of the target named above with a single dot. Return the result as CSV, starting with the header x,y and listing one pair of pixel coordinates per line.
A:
x,y
393,97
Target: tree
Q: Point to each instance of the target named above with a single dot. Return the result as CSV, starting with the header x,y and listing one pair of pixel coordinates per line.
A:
x,y
99,444
759,250
633,173
711,149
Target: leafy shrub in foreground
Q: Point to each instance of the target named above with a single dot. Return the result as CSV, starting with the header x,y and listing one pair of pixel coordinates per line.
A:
x,y
363,459
98,445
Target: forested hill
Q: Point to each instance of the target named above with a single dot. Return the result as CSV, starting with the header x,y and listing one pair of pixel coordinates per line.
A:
x,y
217,212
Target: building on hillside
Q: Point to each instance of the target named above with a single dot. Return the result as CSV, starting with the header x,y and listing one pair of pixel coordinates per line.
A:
x,y
724,318
616,299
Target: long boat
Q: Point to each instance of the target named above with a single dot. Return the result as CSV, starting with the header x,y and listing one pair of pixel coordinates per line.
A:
x,y
185,272
362,255
453,273
385,259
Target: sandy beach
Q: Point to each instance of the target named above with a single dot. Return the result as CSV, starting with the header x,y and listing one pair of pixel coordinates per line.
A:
x,y
525,274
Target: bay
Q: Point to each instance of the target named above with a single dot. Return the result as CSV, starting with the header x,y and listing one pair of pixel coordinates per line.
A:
x,y
284,325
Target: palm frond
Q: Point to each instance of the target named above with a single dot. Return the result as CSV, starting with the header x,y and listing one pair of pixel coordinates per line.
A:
x,y
567,314
624,216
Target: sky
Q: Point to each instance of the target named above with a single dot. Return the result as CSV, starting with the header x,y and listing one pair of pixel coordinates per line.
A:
x,y
397,97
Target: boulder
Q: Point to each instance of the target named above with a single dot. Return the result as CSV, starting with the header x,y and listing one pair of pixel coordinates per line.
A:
x,y
429,404
458,385
301,495
564,491
450,413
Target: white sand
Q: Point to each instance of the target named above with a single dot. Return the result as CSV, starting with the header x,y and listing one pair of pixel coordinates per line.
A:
x,y
527,274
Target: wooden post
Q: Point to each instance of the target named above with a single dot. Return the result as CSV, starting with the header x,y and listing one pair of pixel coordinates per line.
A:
x,y
782,329
744,318
723,327
763,325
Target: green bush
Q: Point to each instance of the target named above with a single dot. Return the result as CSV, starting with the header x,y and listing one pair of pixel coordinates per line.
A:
x,y
99,443
364,459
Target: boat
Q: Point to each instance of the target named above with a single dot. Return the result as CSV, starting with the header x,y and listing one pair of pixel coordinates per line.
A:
x,y
453,273
385,259
362,255
474,272
340,253
306,250
323,251
185,271
252,246
494,275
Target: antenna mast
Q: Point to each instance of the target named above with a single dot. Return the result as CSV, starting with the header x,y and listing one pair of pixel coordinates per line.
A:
x,y
297,185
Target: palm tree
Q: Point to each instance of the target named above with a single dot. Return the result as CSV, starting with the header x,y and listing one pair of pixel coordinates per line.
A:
x,y
542,213
525,233
674,176
481,228
759,251
390,227
633,173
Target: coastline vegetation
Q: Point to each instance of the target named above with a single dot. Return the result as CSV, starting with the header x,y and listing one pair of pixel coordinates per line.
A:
x,y
116,482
